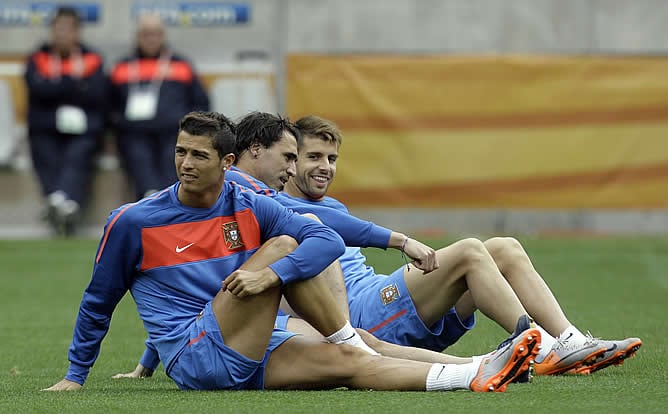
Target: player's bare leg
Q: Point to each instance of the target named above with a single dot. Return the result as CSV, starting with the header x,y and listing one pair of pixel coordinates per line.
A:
x,y
409,352
564,348
247,323
464,265
300,326
537,298
333,278
306,363
310,298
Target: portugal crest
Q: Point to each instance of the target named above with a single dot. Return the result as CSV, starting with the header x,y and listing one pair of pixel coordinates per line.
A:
x,y
232,235
389,294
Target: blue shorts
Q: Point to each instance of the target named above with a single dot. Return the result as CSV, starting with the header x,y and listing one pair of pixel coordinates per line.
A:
x,y
206,363
383,306
281,321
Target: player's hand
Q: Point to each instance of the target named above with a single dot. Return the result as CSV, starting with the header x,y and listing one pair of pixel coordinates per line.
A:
x,y
424,257
64,385
243,283
139,372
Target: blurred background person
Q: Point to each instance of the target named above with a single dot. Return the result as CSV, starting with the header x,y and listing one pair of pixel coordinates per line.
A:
x,y
152,89
67,91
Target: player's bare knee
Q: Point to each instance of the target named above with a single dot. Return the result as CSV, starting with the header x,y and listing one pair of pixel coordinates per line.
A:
x,y
506,251
472,252
285,244
348,360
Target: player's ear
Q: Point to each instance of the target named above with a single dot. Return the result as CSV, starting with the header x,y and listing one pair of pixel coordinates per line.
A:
x,y
228,160
255,150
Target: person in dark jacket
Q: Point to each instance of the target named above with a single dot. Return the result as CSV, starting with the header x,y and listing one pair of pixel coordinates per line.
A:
x,y
67,92
152,89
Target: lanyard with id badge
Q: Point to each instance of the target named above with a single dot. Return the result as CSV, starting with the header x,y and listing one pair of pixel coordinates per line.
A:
x,y
142,103
70,119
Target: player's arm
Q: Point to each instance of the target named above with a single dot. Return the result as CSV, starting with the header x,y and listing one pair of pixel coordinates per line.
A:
x,y
318,246
354,231
424,257
112,275
360,233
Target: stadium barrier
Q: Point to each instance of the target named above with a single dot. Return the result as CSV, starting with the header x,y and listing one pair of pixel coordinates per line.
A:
x,y
561,132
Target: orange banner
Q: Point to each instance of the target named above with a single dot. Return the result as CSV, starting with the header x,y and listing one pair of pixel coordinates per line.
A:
x,y
504,132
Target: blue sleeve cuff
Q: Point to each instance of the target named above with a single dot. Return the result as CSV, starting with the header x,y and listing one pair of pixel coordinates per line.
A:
x,y
285,270
379,237
150,359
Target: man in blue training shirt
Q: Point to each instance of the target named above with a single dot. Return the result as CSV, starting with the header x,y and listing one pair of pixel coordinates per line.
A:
x,y
173,249
432,310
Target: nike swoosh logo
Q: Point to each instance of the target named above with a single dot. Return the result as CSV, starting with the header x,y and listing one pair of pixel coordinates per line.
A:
x,y
348,338
181,249
612,348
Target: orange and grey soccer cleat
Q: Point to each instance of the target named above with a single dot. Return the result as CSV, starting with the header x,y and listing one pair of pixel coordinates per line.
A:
x,y
523,323
567,356
505,364
615,353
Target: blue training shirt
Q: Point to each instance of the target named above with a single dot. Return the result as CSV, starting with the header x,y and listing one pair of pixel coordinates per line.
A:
x,y
332,213
173,259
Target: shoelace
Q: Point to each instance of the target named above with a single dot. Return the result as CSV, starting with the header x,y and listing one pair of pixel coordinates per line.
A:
x,y
570,346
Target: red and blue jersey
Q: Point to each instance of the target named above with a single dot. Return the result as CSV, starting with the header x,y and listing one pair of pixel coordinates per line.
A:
x,y
180,91
173,258
354,231
77,80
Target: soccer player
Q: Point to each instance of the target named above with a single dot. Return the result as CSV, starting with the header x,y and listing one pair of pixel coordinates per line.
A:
x,y
433,310
171,251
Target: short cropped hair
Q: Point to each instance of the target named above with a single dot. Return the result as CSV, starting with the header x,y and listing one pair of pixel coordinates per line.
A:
x,y
67,11
315,126
262,128
214,125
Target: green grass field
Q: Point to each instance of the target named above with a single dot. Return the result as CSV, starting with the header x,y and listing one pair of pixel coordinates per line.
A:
x,y
613,287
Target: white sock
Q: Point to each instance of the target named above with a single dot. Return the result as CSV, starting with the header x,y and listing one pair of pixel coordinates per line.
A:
x,y
348,335
546,343
573,336
447,377
477,359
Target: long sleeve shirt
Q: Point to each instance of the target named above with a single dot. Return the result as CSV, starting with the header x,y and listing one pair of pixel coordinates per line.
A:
x,y
172,258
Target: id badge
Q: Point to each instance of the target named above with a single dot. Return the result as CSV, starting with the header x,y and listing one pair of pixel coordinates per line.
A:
x,y
142,105
71,120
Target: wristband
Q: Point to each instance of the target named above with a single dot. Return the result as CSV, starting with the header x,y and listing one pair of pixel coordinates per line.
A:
x,y
403,252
